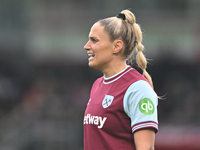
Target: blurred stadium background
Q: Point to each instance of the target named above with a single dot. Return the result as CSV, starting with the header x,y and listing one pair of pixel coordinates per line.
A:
x,y
45,81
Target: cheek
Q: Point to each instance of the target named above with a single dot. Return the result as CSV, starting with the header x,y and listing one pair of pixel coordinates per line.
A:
x,y
104,57
102,52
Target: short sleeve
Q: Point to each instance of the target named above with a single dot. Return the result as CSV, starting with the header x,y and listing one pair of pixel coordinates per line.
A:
x,y
140,104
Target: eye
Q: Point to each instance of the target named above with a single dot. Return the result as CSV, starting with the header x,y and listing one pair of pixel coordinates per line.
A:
x,y
94,40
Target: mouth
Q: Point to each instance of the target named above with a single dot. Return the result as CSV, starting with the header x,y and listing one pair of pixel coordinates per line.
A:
x,y
91,56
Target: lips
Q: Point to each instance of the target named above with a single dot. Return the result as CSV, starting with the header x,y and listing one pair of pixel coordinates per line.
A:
x,y
90,56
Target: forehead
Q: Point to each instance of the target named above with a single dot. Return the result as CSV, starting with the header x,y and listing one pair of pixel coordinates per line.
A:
x,y
97,30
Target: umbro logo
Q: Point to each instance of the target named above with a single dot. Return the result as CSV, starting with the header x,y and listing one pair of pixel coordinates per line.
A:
x,y
107,101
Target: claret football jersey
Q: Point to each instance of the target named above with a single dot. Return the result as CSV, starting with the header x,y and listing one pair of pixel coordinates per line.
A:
x,y
118,107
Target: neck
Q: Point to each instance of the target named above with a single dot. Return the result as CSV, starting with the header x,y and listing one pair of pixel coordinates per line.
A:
x,y
114,69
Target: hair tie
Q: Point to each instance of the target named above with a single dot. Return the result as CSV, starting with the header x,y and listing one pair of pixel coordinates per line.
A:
x,y
121,16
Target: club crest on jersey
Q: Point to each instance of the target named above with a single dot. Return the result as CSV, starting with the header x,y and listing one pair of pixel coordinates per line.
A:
x,y
107,101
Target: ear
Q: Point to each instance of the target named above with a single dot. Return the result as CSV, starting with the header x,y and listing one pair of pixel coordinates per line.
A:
x,y
118,46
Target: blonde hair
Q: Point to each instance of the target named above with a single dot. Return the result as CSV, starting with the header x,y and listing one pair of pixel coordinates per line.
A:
x,y
130,33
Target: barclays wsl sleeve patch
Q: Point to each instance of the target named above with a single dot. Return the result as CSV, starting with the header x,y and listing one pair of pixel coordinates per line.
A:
x,y
146,106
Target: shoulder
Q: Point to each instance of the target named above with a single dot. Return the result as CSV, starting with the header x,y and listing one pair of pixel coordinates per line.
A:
x,y
137,92
140,85
140,89
99,80
97,83
136,76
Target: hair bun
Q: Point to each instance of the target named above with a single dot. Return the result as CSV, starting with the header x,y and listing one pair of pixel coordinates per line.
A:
x,y
130,17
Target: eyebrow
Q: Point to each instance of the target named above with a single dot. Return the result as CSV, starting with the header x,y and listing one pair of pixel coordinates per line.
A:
x,y
93,37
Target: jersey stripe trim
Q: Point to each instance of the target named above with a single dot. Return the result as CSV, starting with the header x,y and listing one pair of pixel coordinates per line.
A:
x,y
116,77
143,125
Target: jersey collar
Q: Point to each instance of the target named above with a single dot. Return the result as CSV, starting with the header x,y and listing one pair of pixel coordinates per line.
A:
x,y
117,76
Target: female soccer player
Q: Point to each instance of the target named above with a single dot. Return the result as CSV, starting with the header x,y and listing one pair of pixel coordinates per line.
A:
x,y
122,110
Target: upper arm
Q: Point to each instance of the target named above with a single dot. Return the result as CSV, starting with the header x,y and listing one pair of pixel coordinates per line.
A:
x,y
144,139
140,104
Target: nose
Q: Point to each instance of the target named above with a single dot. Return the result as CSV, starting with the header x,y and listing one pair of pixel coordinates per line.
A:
x,y
87,47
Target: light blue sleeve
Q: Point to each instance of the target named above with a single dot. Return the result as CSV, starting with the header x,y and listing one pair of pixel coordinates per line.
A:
x,y
140,104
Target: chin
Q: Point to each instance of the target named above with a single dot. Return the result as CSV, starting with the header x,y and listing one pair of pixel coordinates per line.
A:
x,y
92,65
